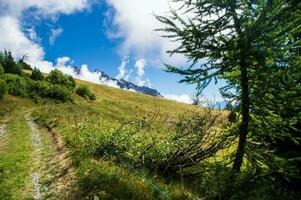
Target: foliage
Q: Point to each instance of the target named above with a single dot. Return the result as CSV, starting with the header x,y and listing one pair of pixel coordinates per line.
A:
x,y
106,155
263,36
85,92
23,64
37,75
3,88
278,113
9,64
57,77
189,141
1,69
25,87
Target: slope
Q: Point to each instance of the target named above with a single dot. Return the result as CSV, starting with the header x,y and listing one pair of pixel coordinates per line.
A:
x,y
29,155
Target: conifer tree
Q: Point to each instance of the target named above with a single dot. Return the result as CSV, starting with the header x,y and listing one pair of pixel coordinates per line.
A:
x,y
241,41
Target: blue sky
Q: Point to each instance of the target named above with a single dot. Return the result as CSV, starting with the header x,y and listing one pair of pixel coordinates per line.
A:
x,y
99,34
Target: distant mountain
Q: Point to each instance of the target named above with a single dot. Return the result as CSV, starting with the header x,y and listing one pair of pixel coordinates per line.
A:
x,y
123,84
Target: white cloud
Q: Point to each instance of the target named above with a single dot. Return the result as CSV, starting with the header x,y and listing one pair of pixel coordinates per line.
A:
x,y
123,73
13,39
25,42
63,61
134,21
55,33
184,98
139,79
33,35
43,7
64,64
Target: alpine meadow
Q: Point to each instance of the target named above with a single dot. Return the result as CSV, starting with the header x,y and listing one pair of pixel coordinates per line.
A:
x,y
194,99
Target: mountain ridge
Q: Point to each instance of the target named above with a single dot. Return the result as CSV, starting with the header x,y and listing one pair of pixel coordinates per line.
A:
x,y
124,84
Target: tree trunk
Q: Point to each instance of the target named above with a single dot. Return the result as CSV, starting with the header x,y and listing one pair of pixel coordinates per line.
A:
x,y
245,116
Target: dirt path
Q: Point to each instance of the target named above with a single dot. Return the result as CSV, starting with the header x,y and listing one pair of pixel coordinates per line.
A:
x,y
2,130
36,142
2,133
53,174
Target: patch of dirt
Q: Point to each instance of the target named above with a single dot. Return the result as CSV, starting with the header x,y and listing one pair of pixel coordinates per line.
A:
x,y
64,178
2,130
2,135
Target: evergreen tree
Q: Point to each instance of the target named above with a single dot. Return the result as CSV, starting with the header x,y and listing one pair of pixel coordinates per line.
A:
x,y
36,75
9,64
240,41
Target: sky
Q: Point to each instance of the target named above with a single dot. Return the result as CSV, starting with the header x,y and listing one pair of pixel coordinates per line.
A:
x,y
113,36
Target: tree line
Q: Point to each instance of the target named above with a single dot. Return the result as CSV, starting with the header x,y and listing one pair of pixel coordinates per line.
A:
x,y
33,84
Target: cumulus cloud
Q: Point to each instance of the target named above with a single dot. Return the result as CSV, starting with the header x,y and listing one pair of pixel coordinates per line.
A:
x,y
25,42
123,73
134,21
184,98
46,8
55,33
13,39
139,79
64,64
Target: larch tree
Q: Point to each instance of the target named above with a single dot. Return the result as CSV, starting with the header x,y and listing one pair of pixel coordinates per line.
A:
x,y
240,41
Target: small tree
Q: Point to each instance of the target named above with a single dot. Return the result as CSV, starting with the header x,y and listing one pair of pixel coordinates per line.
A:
x,y
9,64
36,75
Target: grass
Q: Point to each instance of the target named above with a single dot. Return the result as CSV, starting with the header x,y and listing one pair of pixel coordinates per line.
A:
x,y
99,178
15,160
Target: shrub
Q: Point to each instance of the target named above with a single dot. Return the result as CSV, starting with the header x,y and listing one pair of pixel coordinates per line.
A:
x,y
19,87
92,97
47,90
3,88
184,144
36,75
57,77
60,93
1,69
25,87
85,92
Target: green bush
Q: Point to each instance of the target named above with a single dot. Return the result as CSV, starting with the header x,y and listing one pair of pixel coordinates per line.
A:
x,y
3,88
37,75
85,92
1,69
92,97
19,87
47,90
25,87
57,77
60,93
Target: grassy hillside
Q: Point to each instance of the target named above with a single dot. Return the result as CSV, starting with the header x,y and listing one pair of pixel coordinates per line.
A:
x,y
116,104
69,123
